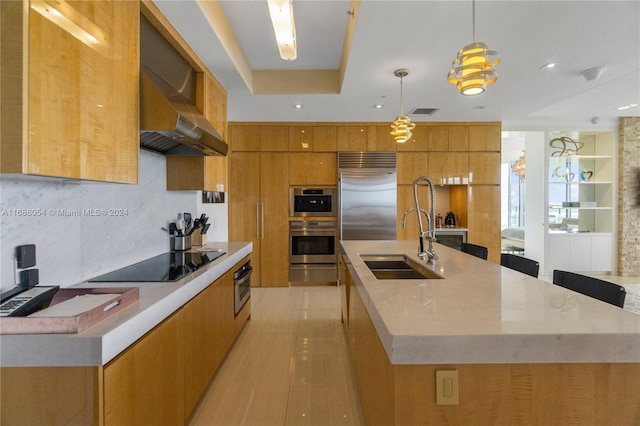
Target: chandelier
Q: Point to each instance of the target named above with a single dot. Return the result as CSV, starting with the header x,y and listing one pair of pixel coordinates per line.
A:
x,y
402,126
519,166
473,69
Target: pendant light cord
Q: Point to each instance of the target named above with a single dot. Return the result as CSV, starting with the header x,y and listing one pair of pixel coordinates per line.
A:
x,y
473,20
401,109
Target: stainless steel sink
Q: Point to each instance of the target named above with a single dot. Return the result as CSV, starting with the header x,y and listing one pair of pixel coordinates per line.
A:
x,y
396,267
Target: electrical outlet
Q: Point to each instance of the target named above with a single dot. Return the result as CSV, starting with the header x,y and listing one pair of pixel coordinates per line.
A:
x,y
447,387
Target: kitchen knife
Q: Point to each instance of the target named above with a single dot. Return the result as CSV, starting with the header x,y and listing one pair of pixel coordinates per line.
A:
x,y
172,229
203,219
205,228
187,219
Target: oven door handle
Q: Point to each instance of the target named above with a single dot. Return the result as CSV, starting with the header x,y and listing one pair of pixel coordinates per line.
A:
x,y
244,277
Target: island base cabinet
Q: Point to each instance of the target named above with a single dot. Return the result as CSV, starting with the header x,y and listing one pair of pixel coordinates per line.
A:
x,y
489,394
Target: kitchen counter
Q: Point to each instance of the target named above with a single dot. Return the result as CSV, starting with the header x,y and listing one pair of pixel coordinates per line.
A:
x,y
99,344
482,313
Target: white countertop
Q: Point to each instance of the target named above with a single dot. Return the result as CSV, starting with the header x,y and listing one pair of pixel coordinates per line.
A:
x,y
99,344
484,313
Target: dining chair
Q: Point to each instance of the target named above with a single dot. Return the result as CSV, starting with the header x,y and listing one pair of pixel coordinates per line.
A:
x,y
593,287
520,264
475,250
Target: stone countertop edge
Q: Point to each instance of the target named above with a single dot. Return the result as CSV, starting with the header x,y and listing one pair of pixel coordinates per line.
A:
x,y
525,325
98,345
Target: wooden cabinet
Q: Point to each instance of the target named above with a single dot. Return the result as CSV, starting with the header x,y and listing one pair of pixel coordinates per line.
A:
x,y
419,142
485,137
207,173
145,384
259,212
208,335
449,168
484,218
325,138
411,165
274,138
301,138
448,138
352,138
379,139
211,99
70,103
484,168
313,169
244,138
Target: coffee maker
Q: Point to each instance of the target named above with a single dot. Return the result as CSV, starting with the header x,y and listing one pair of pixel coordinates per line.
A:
x,y
450,220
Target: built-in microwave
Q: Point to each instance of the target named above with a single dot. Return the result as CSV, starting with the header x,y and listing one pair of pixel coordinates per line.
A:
x,y
305,202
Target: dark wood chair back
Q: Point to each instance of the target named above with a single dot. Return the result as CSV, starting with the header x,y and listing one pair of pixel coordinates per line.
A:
x,y
520,264
594,287
475,250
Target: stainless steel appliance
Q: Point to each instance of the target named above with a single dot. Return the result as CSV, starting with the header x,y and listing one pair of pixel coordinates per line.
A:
x,y
305,202
313,251
241,286
367,195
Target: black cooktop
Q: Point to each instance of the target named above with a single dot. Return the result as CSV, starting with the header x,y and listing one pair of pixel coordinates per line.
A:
x,y
170,266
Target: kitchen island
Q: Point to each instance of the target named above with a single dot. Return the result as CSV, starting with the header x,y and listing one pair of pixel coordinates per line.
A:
x,y
147,363
524,351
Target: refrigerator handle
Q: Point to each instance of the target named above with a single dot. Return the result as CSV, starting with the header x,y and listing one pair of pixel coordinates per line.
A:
x,y
257,221
339,206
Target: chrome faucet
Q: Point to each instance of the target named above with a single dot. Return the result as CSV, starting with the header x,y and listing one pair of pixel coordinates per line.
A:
x,y
431,218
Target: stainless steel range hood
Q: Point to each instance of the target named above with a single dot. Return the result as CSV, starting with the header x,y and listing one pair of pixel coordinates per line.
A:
x,y
170,123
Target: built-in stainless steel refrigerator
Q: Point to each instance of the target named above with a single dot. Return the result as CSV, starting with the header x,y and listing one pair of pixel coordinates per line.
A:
x,y
367,195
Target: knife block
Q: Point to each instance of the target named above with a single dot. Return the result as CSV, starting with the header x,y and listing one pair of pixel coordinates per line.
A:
x,y
198,239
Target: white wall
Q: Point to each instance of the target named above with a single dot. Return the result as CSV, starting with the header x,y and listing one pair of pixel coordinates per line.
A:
x,y
73,246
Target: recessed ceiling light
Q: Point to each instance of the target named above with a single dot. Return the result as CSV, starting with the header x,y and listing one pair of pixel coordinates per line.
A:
x,y
378,106
298,106
479,107
627,106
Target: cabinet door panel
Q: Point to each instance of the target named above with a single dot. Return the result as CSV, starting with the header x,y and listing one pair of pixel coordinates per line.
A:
x,y
301,138
274,138
145,384
485,137
245,204
199,345
325,139
419,141
244,138
411,165
313,169
83,98
352,138
458,138
380,139
439,138
274,188
484,218
450,168
484,168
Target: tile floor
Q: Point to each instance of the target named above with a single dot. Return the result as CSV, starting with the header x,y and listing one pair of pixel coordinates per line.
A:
x,y
289,366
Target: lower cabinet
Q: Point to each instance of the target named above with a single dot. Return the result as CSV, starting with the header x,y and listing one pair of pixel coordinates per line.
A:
x,y
158,380
580,252
145,384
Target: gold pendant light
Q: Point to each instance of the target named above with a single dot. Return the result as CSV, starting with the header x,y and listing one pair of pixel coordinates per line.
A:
x,y
473,69
402,126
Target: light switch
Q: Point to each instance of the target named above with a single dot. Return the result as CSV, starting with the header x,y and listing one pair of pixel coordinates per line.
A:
x,y
447,387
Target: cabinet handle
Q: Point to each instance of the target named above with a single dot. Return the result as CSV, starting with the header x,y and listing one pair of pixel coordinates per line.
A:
x,y
262,227
257,220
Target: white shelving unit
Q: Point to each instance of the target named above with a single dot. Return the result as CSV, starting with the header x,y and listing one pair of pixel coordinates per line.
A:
x,y
581,209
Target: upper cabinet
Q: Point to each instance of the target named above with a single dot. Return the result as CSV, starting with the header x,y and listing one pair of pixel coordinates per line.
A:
x,y
70,77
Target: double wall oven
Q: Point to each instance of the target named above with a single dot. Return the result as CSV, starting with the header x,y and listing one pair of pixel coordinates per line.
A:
x,y
313,240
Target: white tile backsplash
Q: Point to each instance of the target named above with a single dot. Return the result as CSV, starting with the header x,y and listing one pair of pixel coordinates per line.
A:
x,y
75,239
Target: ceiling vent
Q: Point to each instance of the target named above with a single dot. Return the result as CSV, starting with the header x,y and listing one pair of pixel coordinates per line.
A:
x,y
423,111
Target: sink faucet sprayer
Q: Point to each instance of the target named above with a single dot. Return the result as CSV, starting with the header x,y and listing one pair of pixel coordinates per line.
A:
x,y
431,218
